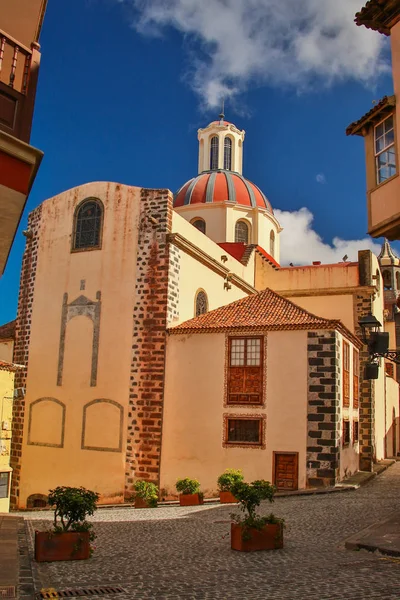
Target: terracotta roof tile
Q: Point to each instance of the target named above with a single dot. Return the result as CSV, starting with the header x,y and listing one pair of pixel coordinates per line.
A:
x,y
265,310
384,105
380,15
7,366
7,331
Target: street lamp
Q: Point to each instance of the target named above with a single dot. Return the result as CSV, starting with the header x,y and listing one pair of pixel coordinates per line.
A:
x,y
378,345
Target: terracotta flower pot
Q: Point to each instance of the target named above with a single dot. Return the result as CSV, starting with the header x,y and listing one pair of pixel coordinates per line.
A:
x,y
141,503
190,499
61,546
227,498
270,537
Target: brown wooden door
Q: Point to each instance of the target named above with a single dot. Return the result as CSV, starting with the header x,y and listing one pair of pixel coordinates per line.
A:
x,y
286,470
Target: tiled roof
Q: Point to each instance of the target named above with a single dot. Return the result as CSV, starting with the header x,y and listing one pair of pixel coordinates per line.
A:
x,y
379,15
7,366
7,331
242,252
265,310
372,115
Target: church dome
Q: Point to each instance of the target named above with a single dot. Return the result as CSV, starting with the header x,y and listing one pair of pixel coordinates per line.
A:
x,y
221,186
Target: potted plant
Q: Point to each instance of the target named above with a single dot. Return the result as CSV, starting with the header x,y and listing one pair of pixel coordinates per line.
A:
x,y
225,483
189,492
146,494
252,531
70,537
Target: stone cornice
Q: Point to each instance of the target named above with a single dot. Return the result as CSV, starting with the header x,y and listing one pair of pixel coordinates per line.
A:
x,y
184,244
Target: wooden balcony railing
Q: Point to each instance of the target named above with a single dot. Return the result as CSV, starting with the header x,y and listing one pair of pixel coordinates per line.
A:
x,y
18,76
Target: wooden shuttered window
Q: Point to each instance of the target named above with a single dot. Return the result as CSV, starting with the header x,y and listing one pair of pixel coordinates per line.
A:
x,y
245,370
346,374
346,432
356,378
355,432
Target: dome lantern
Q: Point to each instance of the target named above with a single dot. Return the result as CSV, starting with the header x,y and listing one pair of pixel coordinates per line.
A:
x,y
221,146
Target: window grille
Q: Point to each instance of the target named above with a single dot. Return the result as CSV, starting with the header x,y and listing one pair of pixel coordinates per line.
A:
x,y
4,481
346,432
214,153
88,225
228,153
385,153
201,303
245,376
346,374
200,224
244,431
242,232
356,378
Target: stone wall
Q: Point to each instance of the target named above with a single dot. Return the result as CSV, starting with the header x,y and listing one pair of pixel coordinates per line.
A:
x,y
21,346
323,412
150,314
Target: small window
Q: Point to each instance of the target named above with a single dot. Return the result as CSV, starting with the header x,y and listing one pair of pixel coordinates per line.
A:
x,y
214,152
356,378
201,303
200,224
242,232
387,280
88,225
244,431
245,371
228,153
272,243
346,432
346,374
385,154
4,484
355,431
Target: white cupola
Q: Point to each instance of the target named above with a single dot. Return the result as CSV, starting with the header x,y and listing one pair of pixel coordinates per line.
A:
x,y
221,146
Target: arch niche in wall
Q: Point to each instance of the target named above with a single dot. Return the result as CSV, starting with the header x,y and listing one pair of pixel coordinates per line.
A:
x,y
102,426
82,306
46,423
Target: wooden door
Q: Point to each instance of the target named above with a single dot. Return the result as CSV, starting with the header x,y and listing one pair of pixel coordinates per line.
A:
x,y
286,471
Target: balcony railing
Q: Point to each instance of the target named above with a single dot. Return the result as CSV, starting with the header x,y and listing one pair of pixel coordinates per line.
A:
x,y
18,77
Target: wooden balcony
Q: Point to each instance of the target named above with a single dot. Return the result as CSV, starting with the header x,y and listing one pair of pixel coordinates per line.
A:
x,y
19,67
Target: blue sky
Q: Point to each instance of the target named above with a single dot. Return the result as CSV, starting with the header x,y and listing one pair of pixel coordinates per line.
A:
x,y
122,92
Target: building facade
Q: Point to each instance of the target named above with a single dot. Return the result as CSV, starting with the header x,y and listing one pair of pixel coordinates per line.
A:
x,y
124,381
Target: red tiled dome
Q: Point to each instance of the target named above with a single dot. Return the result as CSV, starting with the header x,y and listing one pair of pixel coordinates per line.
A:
x,y
221,186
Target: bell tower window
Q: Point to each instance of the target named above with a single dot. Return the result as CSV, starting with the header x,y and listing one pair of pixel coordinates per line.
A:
x,y
242,232
228,154
385,154
88,225
214,152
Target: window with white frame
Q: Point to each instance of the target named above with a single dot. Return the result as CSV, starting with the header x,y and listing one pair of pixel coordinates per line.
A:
x,y
385,153
214,148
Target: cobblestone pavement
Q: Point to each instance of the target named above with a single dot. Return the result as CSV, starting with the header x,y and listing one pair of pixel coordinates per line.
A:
x,y
175,552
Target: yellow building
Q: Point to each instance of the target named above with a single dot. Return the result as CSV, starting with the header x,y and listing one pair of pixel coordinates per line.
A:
x,y
7,371
139,310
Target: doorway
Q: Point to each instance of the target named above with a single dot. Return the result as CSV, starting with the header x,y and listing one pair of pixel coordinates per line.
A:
x,y
285,470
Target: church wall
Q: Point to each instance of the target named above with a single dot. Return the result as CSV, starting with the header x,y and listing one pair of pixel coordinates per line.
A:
x,y
330,307
193,428
212,214
75,418
6,350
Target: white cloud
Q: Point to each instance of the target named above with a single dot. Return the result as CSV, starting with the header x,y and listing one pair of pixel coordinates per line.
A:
x,y
320,178
301,245
235,43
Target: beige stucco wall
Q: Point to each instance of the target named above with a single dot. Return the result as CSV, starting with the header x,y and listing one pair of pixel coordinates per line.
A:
x,y
6,350
392,417
330,307
6,400
193,413
110,270
379,384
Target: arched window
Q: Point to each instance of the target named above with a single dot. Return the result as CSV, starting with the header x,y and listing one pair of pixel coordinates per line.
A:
x,y
242,232
228,153
88,224
200,224
201,303
214,152
272,243
387,280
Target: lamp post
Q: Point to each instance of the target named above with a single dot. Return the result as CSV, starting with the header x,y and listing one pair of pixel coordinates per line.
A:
x,y
378,345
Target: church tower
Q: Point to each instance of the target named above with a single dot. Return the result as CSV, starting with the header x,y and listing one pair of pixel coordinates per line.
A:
x,y
219,201
390,268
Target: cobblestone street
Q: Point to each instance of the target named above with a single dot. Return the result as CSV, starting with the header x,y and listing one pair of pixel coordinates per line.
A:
x,y
175,552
